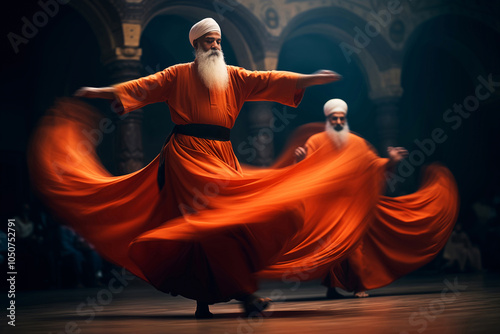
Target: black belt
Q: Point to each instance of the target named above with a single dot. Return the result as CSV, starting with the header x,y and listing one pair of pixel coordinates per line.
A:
x,y
206,131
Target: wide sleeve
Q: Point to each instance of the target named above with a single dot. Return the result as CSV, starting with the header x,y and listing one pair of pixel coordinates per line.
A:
x,y
377,161
313,143
276,86
135,94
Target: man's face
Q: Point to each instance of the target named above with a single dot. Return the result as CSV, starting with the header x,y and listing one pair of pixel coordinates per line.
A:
x,y
337,120
209,41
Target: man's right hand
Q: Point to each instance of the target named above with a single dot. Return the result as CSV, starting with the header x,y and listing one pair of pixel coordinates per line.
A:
x,y
93,92
300,154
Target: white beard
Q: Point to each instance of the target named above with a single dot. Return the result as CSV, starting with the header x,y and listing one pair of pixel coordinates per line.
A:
x,y
212,68
339,138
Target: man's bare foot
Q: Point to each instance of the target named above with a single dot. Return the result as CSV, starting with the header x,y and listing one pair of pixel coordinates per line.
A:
x,y
202,311
361,294
253,304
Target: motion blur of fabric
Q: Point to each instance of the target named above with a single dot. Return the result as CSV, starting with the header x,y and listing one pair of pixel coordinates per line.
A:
x,y
216,228
406,233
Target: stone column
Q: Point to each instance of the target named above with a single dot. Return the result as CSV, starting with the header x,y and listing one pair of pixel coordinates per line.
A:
x,y
386,109
128,140
386,98
261,116
260,120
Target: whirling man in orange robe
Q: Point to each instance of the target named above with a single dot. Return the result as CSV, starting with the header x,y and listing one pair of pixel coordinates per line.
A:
x,y
205,97
337,131
422,227
195,223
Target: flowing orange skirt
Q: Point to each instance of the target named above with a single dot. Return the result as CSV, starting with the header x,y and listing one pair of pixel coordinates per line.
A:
x,y
215,228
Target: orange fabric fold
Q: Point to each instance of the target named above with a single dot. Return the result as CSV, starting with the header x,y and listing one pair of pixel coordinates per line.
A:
x,y
216,228
407,233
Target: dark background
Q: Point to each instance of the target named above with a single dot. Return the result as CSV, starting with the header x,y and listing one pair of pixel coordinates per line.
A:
x,y
64,55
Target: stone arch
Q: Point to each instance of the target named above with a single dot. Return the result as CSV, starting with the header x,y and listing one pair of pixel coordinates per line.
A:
x,y
445,36
104,19
486,13
456,47
338,25
366,77
444,58
241,28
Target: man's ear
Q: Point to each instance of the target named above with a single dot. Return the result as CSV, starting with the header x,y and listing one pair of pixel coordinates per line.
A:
x,y
195,44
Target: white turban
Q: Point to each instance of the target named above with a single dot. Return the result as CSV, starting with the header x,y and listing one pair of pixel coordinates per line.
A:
x,y
201,28
335,105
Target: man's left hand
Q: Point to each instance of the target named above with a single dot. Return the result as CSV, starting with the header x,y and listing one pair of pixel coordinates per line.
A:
x,y
396,154
317,78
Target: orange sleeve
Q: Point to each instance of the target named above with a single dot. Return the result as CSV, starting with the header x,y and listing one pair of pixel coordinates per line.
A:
x,y
276,86
313,143
135,94
378,162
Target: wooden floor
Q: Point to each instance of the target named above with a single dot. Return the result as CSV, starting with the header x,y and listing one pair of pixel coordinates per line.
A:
x,y
416,304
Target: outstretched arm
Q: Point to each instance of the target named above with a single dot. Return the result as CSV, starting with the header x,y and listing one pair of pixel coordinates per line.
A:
x,y
96,93
317,78
135,94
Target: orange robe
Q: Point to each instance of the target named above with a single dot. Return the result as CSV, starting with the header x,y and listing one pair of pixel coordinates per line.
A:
x,y
190,159
407,232
215,228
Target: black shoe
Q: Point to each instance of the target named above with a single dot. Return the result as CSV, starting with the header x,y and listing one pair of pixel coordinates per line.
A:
x,y
202,311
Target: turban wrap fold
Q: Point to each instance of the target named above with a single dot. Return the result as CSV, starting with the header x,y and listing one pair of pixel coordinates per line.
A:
x,y
201,28
335,105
